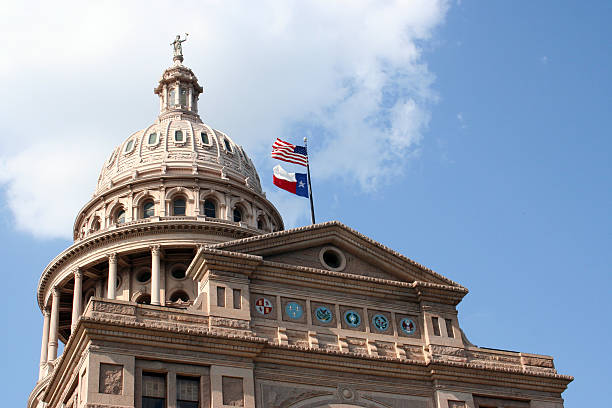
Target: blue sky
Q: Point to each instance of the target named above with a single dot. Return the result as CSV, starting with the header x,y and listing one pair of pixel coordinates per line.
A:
x,y
484,154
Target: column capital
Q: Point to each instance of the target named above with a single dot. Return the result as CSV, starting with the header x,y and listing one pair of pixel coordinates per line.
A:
x,y
55,292
77,273
46,312
112,257
155,249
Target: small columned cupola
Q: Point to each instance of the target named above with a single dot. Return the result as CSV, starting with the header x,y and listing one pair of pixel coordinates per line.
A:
x,y
178,88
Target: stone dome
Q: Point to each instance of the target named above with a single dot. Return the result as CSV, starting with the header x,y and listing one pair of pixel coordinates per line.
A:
x,y
178,142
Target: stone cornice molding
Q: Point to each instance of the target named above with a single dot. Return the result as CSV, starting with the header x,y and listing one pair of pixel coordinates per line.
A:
x,y
341,235
208,259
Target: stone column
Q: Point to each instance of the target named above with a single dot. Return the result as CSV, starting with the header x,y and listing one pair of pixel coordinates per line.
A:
x,y
112,275
77,297
155,261
54,325
44,348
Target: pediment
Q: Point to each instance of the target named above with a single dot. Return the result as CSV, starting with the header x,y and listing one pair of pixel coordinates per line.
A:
x,y
360,255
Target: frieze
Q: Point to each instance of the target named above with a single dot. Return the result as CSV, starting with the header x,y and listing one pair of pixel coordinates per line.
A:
x,y
484,357
231,323
177,317
357,345
114,308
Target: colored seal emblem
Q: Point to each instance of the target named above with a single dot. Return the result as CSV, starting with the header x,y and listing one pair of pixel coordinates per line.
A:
x,y
407,325
352,318
263,306
294,310
380,322
323,314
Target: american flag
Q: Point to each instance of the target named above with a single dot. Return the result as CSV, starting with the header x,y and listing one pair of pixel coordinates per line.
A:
x,y
288,152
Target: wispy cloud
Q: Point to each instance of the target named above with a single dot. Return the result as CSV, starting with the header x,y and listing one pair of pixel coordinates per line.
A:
x,y
350,73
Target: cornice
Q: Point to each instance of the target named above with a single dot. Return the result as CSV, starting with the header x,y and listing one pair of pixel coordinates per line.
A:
x,y
389,258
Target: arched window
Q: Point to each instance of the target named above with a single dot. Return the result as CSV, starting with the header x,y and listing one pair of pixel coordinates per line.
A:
x,y
237,215
179,206
95,226
120,217
179,295
178,136
148,209
261,223
144,299
210,210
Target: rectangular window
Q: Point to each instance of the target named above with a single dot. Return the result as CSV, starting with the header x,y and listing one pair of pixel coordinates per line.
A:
x,y
220,296
449,328
436,326
183,97
178,135
187,392
237,299
153,390
204,137
172,97
152,138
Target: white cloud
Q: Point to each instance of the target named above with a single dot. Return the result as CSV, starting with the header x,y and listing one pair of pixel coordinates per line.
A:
x,y
78,76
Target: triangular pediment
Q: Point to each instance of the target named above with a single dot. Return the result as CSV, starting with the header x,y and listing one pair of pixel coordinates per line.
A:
x,y
314,246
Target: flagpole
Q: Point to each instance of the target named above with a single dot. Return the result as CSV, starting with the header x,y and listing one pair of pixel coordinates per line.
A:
x,y
312,214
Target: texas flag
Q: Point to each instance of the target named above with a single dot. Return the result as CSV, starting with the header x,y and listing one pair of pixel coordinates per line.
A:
x,y
296,183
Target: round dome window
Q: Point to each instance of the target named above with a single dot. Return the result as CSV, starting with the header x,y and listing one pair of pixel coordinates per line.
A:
x,y
331,258
143,276
178,273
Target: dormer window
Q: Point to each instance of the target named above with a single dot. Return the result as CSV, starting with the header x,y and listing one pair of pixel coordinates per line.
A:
x,y
204,137
129,146
152,139
178,136
228,146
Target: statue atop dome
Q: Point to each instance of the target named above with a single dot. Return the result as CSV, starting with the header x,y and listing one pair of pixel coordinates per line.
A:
x,y
178,47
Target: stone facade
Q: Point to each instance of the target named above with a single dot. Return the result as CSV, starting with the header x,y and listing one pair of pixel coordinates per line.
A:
x,y
163,304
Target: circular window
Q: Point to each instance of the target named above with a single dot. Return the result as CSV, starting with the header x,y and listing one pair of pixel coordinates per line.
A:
x,y
380,322
331,258
352,318
179,295
178,273
143,276
407,325
294,310
323,314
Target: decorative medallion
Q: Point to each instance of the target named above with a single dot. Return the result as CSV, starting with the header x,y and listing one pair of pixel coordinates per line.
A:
x,y
323,314
294,310
352,318
263,306
380,322
407,325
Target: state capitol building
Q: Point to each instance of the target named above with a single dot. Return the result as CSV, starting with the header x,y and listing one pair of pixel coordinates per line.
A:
x,y
182,289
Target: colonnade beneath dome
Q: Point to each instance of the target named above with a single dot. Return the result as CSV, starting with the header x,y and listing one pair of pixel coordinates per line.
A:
x,y
156,293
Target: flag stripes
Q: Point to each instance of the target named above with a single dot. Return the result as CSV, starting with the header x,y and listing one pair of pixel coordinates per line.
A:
x,y
288,152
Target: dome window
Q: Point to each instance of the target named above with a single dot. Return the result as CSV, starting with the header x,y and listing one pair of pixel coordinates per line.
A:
x,y
179,205
261,223
210,210
143,276
178,136
204,137
172,97
178,273
129,146
120,217
183,97
95,226
237,215
152,139
179,295
144,299
228,146
148,209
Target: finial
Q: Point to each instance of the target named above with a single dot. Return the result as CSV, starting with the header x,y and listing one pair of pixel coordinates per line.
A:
x,y
178,48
